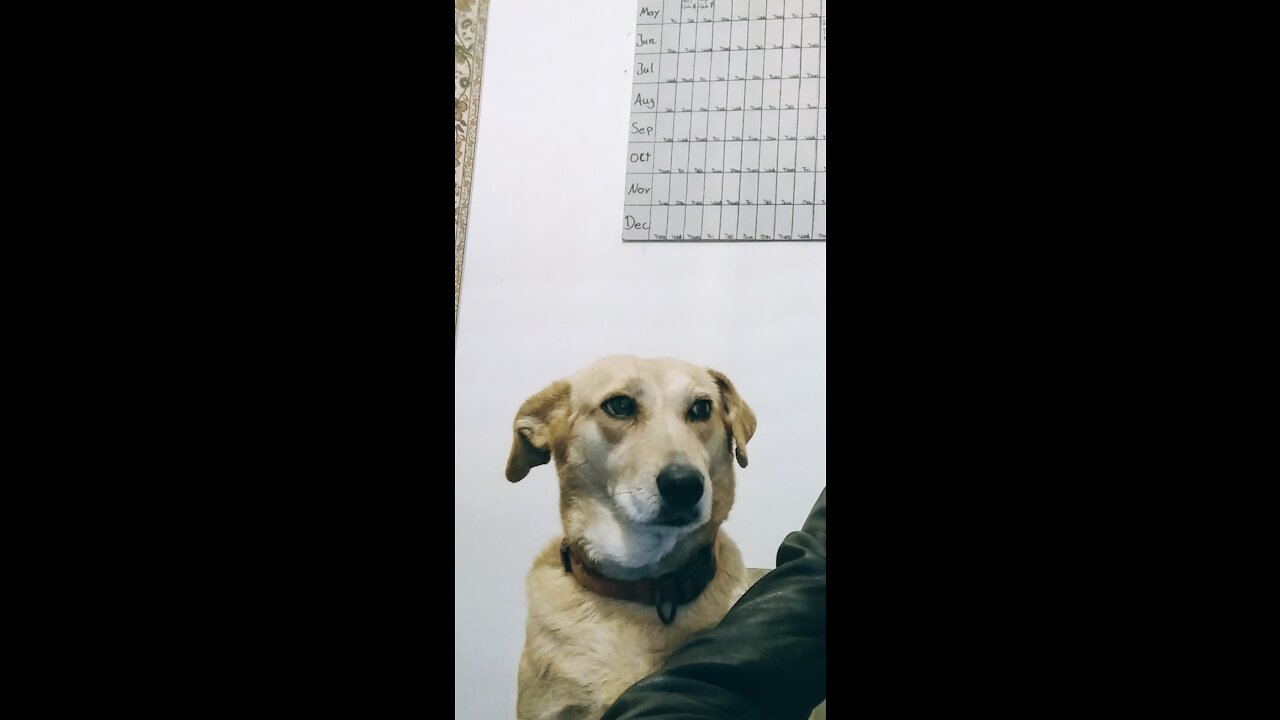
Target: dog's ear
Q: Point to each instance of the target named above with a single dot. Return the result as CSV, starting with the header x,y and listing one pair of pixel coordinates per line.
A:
x,y
738,418
531,445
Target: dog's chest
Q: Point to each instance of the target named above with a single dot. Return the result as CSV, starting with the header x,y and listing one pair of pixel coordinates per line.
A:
x,y
609,649
582,649
600,647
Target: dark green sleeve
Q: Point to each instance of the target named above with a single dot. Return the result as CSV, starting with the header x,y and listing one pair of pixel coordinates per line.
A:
x,y
767,660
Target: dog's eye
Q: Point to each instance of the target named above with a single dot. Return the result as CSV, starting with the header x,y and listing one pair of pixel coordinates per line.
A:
x,y
700,410
620,406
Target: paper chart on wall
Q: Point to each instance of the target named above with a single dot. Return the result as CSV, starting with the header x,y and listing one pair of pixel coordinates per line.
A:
x,y
727,134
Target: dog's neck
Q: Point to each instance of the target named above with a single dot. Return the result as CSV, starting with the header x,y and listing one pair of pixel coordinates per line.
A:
x,y
679,556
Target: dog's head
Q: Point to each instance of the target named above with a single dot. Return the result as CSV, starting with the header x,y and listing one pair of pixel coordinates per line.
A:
x,y
644,449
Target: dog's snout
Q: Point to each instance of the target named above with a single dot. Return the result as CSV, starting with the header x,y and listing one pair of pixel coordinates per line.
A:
x,y
680,486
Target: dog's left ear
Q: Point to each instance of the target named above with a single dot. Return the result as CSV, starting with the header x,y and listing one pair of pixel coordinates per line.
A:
x,y
738,418
531,445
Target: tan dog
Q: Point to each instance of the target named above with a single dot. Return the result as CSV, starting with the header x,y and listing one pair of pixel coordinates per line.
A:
x,y
644,450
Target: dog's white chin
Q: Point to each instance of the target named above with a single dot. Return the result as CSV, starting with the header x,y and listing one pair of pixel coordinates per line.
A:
x,y
631,543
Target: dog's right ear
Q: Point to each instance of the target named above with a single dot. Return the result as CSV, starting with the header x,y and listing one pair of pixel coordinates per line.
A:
x,y
531,445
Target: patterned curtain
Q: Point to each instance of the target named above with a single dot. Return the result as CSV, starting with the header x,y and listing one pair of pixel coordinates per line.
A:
x,y
469,19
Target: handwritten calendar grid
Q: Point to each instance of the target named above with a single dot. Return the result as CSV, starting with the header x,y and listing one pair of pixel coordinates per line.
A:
x,y
728,122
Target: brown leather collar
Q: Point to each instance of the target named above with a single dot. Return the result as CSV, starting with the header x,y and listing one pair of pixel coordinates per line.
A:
x,y
673,589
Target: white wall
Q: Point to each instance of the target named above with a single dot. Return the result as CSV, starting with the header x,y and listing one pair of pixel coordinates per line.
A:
x,y
548,287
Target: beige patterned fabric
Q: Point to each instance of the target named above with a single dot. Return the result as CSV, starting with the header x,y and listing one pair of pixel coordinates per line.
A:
x,y
469,20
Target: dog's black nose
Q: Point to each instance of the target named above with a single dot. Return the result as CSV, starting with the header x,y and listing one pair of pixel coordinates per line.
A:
x,y
680,486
